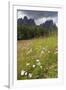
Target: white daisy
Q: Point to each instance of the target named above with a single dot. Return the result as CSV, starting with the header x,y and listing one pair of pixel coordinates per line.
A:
x,y
37,60
48,51
41,67
22,72
38,63
44,48
42,52
34,66
30,75
27,64
25,73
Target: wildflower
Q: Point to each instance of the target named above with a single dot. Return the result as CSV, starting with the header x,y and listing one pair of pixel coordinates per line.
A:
x,y
29,51
38,63
44,48
42,52
22,72
48,51
25,73
41,67
27,64
30,75
37,60
34,66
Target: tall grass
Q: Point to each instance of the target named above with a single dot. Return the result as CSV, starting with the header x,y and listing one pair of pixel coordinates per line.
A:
x,y
37,58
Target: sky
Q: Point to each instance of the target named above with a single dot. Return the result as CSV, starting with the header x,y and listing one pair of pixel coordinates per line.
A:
x,y
38,16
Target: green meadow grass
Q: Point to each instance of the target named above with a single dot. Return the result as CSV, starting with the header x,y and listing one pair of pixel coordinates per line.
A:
x,y
37,58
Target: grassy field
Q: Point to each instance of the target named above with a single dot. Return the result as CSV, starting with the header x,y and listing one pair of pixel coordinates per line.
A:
x,y
37,58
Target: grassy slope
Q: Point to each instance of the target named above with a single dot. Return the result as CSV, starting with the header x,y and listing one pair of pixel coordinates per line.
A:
x,y
42,49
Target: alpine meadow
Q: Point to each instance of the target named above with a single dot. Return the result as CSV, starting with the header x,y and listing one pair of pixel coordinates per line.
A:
x,y
37,44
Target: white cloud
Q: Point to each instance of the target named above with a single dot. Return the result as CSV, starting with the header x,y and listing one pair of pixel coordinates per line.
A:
x,y
21,14
42,20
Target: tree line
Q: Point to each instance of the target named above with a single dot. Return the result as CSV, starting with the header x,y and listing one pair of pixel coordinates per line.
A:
x,y
27,31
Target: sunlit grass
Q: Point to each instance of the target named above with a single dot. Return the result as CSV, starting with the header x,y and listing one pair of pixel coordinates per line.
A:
x,y
37,58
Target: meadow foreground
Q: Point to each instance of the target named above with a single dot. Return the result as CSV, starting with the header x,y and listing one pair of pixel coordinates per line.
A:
x,y
37,58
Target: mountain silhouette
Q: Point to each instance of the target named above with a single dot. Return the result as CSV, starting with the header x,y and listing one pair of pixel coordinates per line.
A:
x,y
25,21
47,24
